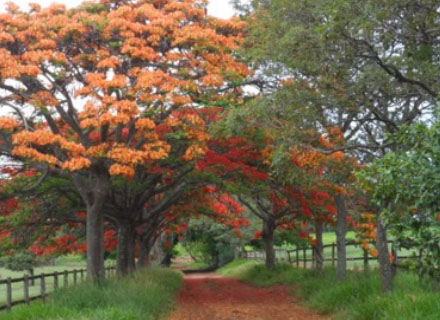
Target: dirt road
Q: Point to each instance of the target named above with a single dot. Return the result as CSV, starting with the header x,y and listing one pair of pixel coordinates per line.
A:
x,y
211,297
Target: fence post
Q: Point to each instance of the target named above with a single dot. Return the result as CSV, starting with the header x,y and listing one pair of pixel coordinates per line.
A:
x,y
365,259
394,257
74,276
297,257
55,280
305,258
43,286
82,274
8,294
290,260
66,279
333,254
26,288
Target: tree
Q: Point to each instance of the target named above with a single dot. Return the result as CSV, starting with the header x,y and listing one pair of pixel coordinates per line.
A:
x,y
365,67
89,88
244,164
406,181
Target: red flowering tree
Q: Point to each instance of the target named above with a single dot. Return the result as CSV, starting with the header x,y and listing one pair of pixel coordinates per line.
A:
x,y
298,191
91,91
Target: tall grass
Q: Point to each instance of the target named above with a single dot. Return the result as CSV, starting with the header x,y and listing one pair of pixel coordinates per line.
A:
x,y
142,296
357,298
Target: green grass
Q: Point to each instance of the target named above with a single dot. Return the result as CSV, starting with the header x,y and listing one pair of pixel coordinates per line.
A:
x,y
198,265
145,295
180,250
358,298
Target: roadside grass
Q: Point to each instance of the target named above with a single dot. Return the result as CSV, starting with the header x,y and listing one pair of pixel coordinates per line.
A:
x,y
357,298
145,295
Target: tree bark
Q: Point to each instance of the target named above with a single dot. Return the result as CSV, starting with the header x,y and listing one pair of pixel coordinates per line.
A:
x,y
94,192
142,257
319,247
132,252
125,255
341,231
95,243
386,274
268,242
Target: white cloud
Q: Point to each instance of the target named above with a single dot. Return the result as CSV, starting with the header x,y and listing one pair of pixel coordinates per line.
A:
x,y
218,8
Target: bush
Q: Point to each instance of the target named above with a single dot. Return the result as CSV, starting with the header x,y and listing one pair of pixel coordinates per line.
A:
x,y
20,261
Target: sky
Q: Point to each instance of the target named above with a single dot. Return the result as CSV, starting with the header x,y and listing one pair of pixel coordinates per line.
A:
x,y
218,8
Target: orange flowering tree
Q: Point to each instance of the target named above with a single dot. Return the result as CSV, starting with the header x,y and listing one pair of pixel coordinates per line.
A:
x,y
92,92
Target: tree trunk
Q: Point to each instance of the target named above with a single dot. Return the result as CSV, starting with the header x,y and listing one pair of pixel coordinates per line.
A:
x,y
95,243
168,258
94,192
132,252
142,257
125,256
268,239
386,275
341,230
319,247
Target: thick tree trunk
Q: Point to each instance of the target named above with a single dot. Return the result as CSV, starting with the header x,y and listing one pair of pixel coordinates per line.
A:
x,y
268,243
386,274
168,258
341,230
132,252
319,247
94,192
126,243
142,257
95,243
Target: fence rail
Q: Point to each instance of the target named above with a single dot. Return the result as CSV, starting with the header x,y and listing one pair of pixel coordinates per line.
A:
x,y
301,257
29,281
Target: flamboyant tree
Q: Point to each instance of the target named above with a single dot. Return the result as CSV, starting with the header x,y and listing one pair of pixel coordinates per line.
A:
x,y
87,90
244,166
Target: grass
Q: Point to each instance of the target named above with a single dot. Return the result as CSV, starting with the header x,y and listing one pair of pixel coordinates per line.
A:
x,y
358,298
180,250
198,265
145,295
63,263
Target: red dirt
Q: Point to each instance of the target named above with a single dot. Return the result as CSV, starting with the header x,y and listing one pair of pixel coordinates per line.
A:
x,y
211,297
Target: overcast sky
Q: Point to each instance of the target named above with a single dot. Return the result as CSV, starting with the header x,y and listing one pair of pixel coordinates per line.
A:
x,y
218,8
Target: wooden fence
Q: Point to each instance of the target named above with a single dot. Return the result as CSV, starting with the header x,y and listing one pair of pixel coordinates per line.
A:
x,y
305,257
29,281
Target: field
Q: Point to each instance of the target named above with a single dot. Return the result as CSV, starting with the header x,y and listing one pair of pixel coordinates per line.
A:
x,y
61,264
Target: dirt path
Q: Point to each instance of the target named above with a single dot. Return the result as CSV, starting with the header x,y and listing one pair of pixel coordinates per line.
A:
x,y
211,297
